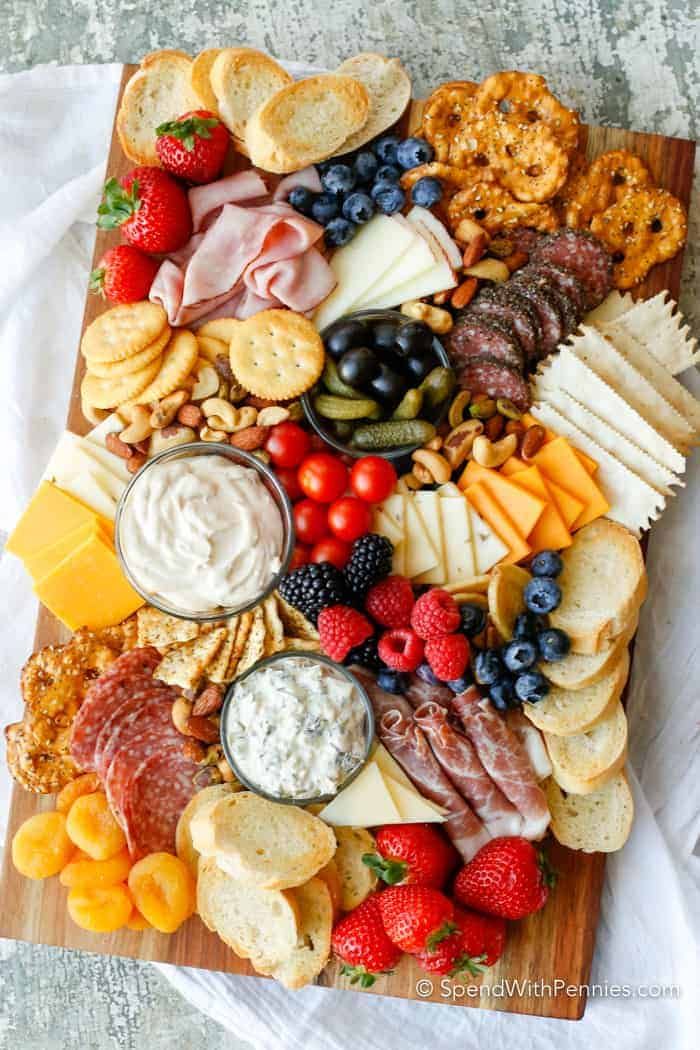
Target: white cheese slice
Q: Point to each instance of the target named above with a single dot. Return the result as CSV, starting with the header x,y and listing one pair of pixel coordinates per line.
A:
x,y
112,424
459,551
414,262
74,453
364,803
420,550
488,547
386,526
438,278
437,233
71,460
88,490
393,509
391,768
428,506
413,807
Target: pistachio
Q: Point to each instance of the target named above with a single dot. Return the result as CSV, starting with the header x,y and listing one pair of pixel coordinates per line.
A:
x,y
455,416
482,407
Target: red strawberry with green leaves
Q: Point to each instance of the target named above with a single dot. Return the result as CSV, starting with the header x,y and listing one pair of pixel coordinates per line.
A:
x,y
194,146
360,941
412,853
124,274
416,918
149,207
507,877
477,943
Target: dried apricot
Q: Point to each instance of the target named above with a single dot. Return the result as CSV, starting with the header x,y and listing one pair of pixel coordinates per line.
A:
x,y
163,890
101,909
92,827
136,921
83,785
41,846
86,873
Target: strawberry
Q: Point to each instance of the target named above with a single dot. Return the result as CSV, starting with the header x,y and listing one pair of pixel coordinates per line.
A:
x,y
193,146
416,918
360,940
149,207
507,877
477,943
124,274
412,853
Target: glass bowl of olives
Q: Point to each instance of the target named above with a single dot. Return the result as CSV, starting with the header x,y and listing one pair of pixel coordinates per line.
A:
x,y
385,387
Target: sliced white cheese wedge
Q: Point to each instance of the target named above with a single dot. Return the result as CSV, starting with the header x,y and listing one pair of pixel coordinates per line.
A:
x,y
459,551
413,807
385,526
393,509
437,279
364,803
428,506
112,424
420,550
391,768
426,222
73,453
488,547
88,489
415,261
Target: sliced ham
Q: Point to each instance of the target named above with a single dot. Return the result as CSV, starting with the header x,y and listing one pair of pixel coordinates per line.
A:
x,y
504,759
206,201
456,754
309,178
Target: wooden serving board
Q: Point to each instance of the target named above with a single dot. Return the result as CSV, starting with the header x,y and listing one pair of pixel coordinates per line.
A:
x,y
555,945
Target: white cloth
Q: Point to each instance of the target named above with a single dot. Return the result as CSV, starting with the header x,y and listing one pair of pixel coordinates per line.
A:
x,y
54,130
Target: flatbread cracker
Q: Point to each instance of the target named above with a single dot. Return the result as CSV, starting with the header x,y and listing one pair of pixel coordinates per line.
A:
x,y
178,360
111,393
137,361
302,645
216,671
276,354
163,630
274,636
242,631
255,643
184,665
122,331
295,623
663,332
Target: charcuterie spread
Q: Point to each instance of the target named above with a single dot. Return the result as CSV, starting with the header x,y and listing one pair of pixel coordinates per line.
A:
x,y
351,550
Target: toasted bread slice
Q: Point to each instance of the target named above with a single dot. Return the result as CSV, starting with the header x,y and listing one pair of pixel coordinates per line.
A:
x,y
389,89
184,846
578,671
261,925
160,90
505,597
331,876
564,712
584,762
356,880
305,122
243,79
313,948
603,584
200,78
596,823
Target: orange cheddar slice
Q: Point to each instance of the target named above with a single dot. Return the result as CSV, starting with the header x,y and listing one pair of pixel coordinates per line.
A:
x,y
50,515
550,532
491,511
41,562
559,463
529,421
568,506
512,466
520,506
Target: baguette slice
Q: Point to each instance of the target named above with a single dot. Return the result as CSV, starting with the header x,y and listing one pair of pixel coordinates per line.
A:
x,y
184,846
356,879
595,823
260,925
313,947
564,712
160,90
389,89
577,671
305,122
603,584
243,79
200,78
331,876
584,762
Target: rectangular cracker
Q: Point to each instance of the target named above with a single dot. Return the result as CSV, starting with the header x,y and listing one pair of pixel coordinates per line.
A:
x,y
162,630
274,628
184,665
663,332
243,629
295,623
255,643
217,668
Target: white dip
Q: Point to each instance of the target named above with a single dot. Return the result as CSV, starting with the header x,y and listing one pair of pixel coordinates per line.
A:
x,y
296,729
201,533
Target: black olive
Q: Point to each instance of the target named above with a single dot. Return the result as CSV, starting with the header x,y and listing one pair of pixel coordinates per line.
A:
x,y
384,335
388,386
344,335
358,366
417,367
414,338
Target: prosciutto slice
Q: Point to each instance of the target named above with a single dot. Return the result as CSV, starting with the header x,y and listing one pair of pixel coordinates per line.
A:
x,y
382,701
408,745
457,756
420,692
504,759
531,739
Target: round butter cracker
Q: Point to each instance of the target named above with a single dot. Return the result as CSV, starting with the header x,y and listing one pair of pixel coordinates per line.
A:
x,y
210,347
110,393
178,361
220,328
110,369
276,354
123,331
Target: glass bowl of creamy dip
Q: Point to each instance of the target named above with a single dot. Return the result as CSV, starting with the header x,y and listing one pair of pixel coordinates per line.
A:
x,y
297,728
204,531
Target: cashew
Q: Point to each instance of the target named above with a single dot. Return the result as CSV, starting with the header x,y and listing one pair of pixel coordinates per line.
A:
x,y
168,408
170,437
458,443
419,473
207,382
455,416
489,270
247,417
410,482
220,414
140,426
269,417
467,230
439,321
180,714
207,434
437,466
224,768
435,443
494,453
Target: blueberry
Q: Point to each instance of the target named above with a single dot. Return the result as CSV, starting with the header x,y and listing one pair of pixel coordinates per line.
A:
x,y
388,386
385,148
426,674
389,199
384,335
358,207
325,207
488,667
458,685
418,367
502,694
527,624
520,655
358,366
542,594
546,563
414,151
339,232
387,173
414,338
301,199
426,192
365,165
392,682
344,335
531,686
554,644
473,619
339,179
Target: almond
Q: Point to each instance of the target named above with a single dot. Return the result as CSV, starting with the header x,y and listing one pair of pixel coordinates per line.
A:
x,y
209,701
115,445
203,729
250,438
190,415
135,462
194,750
532,441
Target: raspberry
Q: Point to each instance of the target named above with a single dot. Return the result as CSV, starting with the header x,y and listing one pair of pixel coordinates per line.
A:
x,y
390,602
435,614
340,629
401,649
447,656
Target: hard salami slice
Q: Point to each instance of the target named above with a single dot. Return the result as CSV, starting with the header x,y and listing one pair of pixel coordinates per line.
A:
x,y
545,305
476,337
566,282
133,695
502,303
523,239
580,252
156,797
537,279
488,376
126,763
133,716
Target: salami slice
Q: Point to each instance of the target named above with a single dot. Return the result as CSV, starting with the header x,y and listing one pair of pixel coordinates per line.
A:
x,y
580,252
127,761
133,695
486,375
476,337
159,792
523,239
566,282
502,303
545,305
537,279
132,717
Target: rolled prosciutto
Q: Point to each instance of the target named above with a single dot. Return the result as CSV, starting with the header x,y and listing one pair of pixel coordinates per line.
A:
x,y
419,692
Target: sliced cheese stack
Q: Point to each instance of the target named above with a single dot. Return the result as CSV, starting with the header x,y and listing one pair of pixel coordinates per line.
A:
x,y
85,469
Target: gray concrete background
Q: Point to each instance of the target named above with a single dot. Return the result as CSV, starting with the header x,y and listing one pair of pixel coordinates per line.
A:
x,y
631,64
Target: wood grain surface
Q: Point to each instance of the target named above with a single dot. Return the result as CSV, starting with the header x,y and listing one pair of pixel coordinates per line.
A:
x,y
548,955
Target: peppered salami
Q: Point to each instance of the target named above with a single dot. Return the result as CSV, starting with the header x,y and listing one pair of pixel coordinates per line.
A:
x,y
545,305
503,303
476,337
580,252
156,797
486,375
538,279
566,282
523,239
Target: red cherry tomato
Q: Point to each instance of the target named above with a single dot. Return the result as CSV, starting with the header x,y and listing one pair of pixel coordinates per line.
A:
x,y
331,549
287,476
323,477
372,478
349,518
310,521
287,443
300,556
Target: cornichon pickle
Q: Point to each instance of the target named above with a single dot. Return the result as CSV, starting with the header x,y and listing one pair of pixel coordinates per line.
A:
x,y
437,386
410,405
332,407
394,433
334,384
343,429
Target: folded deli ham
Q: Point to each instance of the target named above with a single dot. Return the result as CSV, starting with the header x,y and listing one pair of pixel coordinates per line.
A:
x,y
247,253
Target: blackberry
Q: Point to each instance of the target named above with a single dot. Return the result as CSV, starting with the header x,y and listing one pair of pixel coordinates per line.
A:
x,y
369,562
313,587
366,655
